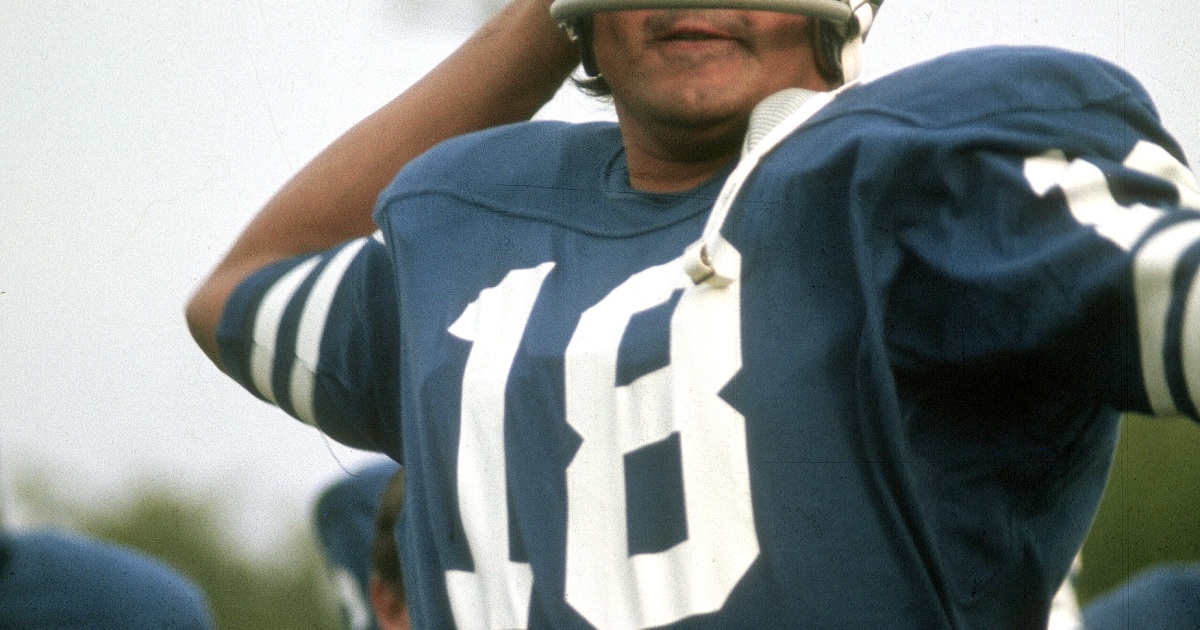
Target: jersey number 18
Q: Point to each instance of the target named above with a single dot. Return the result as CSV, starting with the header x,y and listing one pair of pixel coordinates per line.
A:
x,y
606,584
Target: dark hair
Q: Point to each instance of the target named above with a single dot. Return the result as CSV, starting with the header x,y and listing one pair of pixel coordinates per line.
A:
x,y
592,85
385,557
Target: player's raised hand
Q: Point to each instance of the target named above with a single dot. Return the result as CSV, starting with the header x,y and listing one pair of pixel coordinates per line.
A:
x,y
504,73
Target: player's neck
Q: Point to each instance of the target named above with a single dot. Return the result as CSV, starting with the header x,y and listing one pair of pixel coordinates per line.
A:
x,y
664,159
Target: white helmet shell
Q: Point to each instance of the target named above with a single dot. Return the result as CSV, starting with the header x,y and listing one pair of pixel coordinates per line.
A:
x,y
836,11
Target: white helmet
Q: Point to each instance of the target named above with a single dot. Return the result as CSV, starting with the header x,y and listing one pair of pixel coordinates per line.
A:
x,y
842,26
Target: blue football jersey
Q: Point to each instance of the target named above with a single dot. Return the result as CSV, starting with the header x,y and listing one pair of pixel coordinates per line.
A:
x,y
897,411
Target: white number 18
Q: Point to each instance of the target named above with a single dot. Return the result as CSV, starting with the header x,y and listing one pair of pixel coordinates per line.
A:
x,y
610,588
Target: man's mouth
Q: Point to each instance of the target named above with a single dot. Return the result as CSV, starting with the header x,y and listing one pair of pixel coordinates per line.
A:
x,y
692,26
692,34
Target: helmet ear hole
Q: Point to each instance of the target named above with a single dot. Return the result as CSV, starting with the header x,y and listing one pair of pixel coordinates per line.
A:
x,y
581,30
827,51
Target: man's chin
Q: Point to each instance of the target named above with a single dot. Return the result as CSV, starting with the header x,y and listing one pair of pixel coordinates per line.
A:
x,y
703,108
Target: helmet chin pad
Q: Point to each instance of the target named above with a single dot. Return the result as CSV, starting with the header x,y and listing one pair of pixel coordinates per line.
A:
x,y
836,11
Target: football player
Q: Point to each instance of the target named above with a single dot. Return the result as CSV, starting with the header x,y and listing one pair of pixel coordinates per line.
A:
x,y
1164,597
355,521
777,349
62,580
386,584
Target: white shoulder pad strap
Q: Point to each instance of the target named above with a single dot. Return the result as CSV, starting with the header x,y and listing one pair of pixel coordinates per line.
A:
x,y
772,120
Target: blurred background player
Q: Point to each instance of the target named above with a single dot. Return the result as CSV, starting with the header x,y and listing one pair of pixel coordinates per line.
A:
x,y
355,520
52,578
56,579
388,597
1160,598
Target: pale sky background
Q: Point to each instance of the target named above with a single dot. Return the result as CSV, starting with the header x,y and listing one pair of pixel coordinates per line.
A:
x,y
137,138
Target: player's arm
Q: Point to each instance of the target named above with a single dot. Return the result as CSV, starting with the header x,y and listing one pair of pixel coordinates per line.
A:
x,y
504,73
1056,268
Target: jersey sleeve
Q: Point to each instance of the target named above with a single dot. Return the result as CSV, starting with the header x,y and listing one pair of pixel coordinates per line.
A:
x,y
1065,262
317,336
1146,211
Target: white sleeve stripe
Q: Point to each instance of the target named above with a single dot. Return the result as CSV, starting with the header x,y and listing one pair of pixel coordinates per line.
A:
x,y
312,328
1154,160
1189,339
266,326
1154,271
1089,197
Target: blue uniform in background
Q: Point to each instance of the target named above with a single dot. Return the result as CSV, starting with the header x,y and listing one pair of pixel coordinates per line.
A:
x,y
899,413
67,582
1162,598
344,518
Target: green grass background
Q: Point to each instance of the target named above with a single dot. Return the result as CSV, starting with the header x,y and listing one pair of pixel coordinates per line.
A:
x,y
1151,506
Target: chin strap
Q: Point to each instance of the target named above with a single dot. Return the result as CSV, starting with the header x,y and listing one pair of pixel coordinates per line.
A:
x,y
838,46
772,120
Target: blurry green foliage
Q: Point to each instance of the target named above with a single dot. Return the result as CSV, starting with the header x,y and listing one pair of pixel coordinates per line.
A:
x,y
285,591
1150,507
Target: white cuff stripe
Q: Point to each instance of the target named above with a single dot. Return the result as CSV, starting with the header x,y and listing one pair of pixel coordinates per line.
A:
x,y
1154,270
266,326
312,328
1152,159
1089,197
1189,339
1091,201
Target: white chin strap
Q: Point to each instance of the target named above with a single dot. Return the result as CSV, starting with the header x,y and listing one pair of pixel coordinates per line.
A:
x,y
856,28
